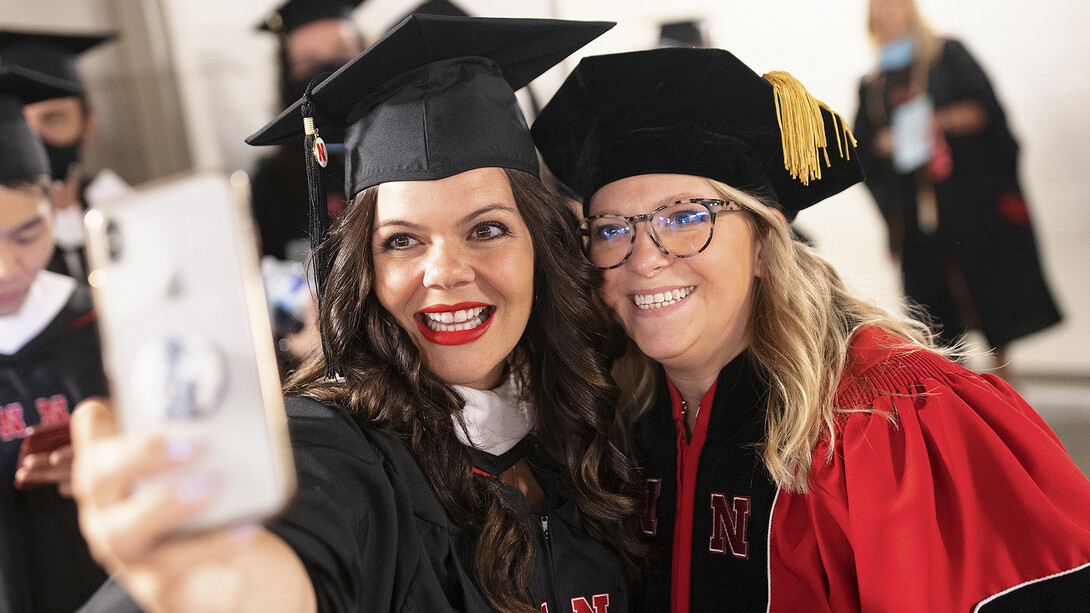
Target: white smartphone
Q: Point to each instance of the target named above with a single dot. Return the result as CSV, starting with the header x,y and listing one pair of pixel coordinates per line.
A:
x,y
186,339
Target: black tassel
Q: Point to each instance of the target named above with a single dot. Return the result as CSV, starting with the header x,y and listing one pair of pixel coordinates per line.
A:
x,y
319,213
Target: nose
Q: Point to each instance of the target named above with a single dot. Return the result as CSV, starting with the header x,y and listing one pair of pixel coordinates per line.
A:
x,y
9,260
646,259
447,266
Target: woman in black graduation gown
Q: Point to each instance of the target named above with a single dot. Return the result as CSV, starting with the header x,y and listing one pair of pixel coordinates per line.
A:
x,y
801,449
958,222
451,443
49,361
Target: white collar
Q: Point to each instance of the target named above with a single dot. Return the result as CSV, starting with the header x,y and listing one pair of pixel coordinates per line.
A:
x,y
47,296
496,419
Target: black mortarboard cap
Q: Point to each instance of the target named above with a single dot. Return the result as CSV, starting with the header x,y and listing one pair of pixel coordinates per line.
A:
x,y
295,13
50,53
435,97
696,112
22,155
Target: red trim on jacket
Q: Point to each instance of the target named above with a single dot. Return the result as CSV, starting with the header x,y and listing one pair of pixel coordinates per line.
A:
x,y
688,461
82,321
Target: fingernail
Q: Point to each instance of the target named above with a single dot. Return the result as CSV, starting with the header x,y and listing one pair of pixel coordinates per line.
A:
x,y
180,450
193,489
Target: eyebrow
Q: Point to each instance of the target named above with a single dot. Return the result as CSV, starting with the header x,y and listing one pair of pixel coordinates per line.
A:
x,y
470,217
678,197
26,226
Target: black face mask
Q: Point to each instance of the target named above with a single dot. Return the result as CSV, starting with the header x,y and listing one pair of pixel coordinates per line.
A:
x,y
61,159
295,88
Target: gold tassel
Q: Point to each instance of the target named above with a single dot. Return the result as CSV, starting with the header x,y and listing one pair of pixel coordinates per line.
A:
x,y
802,129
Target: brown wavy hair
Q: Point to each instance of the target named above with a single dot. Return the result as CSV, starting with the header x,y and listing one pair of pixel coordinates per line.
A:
x,y
562,358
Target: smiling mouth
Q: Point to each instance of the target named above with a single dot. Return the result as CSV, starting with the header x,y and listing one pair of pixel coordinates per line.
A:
x,y
457,321
659,300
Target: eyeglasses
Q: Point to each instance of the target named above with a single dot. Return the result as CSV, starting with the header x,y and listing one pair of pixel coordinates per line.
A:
x,y
682,229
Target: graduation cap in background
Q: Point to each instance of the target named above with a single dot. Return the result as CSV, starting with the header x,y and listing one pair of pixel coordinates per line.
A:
x,y
295,13
432,98
50,53
688,33
437,7
22,156
696,112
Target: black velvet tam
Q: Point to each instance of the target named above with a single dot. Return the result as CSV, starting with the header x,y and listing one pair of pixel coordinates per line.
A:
x,y
682,111
295,13
435,97
22,156
49,53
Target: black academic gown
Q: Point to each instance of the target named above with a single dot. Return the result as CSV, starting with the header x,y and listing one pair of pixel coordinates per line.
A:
x,y
72,261
984,234
373,536
44,562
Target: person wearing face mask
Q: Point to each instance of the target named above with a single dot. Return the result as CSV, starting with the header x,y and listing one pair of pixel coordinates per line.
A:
x,y
49,361
315,37
65,126
942,166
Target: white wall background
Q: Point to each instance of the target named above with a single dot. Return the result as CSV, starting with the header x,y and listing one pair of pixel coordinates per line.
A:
x,y
1037,55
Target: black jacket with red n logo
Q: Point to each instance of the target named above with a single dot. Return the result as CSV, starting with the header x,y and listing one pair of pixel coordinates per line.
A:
x,y
44,562
719,489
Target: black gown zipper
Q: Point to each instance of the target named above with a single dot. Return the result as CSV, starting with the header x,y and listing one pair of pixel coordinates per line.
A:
x,y
553,595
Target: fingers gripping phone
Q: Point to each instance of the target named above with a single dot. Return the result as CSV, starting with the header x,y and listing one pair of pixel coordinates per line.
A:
x,y
42,439
186,337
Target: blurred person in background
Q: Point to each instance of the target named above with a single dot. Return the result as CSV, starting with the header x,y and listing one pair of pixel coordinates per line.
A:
x,y
49,361
801,448
942,165
316,37
65,126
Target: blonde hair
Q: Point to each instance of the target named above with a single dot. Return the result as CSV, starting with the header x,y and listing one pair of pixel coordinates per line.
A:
x,y
802,320
926,41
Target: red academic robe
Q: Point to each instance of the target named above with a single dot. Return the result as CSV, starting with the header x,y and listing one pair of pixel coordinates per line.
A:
x,y
966,501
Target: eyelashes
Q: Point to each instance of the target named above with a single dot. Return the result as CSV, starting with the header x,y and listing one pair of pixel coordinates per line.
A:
x,y
484,231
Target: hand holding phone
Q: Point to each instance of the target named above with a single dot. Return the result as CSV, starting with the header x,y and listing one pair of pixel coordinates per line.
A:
x,y
187,342
45,456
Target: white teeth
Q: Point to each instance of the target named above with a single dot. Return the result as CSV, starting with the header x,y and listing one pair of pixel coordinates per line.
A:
x,y
455,321
663,299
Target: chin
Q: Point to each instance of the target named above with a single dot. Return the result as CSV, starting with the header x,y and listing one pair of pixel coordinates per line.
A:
x,y
659,350
460,375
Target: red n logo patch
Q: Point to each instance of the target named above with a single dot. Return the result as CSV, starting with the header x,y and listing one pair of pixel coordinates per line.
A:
x,y
52,410
729,524
601,604
649,497
12,424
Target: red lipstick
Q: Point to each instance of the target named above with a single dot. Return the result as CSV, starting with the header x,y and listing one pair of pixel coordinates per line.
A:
x,y
454,337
